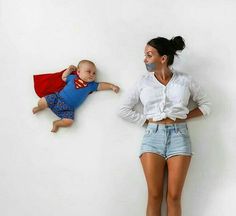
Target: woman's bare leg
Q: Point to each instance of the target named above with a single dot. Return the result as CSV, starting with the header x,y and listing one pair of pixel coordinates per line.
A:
x,y
42,104
154,169
177,171
61,123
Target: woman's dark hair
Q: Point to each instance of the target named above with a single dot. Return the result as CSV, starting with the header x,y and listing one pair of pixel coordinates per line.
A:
x,y
167,47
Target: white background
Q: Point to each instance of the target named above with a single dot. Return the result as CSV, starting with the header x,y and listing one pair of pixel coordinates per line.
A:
x,y
93,167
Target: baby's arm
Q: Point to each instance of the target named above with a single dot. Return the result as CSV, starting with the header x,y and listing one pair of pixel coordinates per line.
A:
x,y
68,71
108,86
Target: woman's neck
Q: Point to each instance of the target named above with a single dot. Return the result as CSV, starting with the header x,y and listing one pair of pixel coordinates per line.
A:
x,y
164,74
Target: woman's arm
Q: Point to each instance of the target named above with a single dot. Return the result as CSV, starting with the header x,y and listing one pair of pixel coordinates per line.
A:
x,y
200,97
68,71
108,86
194,113
127,111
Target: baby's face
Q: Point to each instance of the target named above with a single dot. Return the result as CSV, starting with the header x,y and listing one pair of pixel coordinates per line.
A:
x,y
87,72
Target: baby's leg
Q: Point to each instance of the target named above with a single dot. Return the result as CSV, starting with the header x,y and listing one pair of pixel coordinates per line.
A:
x,y
61,123
42,104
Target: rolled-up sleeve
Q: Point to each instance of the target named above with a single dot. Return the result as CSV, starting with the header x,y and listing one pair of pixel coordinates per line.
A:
x,y
200,97
129,101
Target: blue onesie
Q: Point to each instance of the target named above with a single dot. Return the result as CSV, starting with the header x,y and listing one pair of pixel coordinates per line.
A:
x,y
63,103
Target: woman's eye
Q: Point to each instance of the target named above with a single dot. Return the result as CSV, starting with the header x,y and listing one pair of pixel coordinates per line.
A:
x,y
148,56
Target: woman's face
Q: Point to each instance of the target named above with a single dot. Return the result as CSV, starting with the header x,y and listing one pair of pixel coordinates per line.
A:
x,y
152,56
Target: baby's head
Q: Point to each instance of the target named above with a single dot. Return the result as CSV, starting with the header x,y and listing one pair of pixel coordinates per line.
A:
x,y
86,70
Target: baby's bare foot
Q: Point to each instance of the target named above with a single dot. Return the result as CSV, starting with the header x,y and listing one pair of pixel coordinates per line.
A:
x,y
35,110
54,128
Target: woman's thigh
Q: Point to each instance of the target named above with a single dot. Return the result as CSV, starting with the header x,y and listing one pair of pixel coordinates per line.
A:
x,y
177,172
154,169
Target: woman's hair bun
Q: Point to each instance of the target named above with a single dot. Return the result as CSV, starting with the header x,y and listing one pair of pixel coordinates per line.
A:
x,y
177,43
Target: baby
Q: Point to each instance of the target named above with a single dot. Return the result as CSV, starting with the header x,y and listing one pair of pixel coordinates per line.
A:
x,y
76,90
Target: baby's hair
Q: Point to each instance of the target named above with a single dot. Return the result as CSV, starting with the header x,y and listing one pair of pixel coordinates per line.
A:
x,y
85,61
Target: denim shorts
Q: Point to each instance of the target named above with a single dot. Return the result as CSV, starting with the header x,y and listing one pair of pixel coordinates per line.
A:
x,y
166,140
59,107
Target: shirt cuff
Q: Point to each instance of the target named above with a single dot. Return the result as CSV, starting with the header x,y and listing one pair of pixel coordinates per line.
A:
x,y
142,121
205,110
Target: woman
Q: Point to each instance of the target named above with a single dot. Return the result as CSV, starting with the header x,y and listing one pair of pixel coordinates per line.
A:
x,y
164,94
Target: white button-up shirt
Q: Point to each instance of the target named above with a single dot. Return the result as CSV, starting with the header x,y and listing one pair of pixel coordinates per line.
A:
x,y
161,101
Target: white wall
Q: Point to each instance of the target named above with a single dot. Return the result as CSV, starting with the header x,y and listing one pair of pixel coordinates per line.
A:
x,y
93,168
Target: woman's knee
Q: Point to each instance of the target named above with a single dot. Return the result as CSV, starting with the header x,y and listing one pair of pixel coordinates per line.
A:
x,y
173,197
155,196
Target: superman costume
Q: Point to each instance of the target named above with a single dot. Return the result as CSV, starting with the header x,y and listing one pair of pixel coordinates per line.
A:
x,y
73,95
63,97
45,84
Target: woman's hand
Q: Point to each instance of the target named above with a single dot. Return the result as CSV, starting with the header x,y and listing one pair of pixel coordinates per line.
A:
x,y
194,113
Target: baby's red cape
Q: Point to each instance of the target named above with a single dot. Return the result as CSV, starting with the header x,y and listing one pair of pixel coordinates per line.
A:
x,y
45,84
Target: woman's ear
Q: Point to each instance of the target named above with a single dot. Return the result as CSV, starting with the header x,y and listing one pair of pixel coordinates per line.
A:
x,y
164,59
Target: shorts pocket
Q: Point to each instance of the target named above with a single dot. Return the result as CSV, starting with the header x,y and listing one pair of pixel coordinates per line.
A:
x,y
150,131
183,132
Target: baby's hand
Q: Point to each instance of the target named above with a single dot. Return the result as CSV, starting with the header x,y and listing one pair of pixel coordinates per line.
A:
x,y
72,68
115,88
